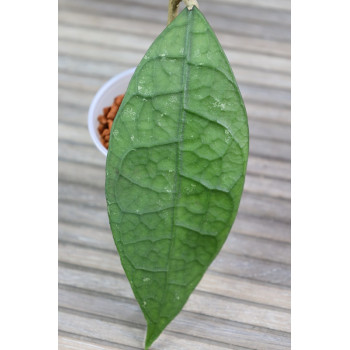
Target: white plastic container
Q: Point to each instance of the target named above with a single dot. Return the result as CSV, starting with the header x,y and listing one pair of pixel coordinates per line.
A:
x,y
104,98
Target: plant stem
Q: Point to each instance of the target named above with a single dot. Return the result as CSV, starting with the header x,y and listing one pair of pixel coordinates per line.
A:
x,y
174,6
173,9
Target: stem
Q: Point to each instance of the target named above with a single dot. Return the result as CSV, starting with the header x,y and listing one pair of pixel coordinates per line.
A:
x,y
174,6
173,9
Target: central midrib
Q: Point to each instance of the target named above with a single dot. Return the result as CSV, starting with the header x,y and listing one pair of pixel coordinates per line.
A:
x,y
180,131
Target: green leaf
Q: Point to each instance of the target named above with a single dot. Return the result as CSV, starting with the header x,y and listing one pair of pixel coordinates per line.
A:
x,y
176,166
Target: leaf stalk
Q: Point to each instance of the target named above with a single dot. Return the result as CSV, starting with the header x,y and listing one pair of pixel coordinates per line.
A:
x,y
174,7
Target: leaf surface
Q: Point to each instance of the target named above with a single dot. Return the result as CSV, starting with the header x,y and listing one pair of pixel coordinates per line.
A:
x,y
176,166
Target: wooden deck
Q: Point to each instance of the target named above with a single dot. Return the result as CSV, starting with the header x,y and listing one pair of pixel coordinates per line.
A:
x,y
243,301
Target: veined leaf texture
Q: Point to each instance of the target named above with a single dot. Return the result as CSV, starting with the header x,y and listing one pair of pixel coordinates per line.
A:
x,y
176,166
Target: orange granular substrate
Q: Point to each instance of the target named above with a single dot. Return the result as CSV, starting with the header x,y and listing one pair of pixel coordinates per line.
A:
x,y
106,120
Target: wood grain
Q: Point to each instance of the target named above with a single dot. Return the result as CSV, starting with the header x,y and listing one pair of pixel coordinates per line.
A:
x,y
243,301
132,9
150,29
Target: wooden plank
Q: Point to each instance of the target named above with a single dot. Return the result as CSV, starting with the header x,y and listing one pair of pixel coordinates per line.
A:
x,y
244,225
244,12
256,227
72,126
245,290
133,57
251,93
66,343
225,263
85,184
208,304
273,131
270,187
273,170
270,4
252,269
124,334
79,153
255,109
95,328
271,208
74,130
243,75
102,69
238,244
186,323
258,248
261,206
82,234
150,29
74,117
117,41
251,204
142,11
80,99
265,94
268,113
267,167
253,184
259,147
262,227
248,10
221,285
256,166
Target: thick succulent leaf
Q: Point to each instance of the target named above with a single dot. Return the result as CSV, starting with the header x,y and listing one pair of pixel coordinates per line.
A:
x,y
176,166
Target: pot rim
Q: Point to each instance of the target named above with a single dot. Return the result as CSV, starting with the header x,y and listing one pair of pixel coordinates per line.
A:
x,y
91,113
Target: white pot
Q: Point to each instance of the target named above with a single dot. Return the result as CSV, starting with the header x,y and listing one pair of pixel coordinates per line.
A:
x,y
104,98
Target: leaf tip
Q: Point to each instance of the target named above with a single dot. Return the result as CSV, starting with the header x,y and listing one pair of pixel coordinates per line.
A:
x,y
153,333
148,342
149,339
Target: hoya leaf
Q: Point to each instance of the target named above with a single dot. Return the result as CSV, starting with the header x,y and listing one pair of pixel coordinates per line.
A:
x,y
176,166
